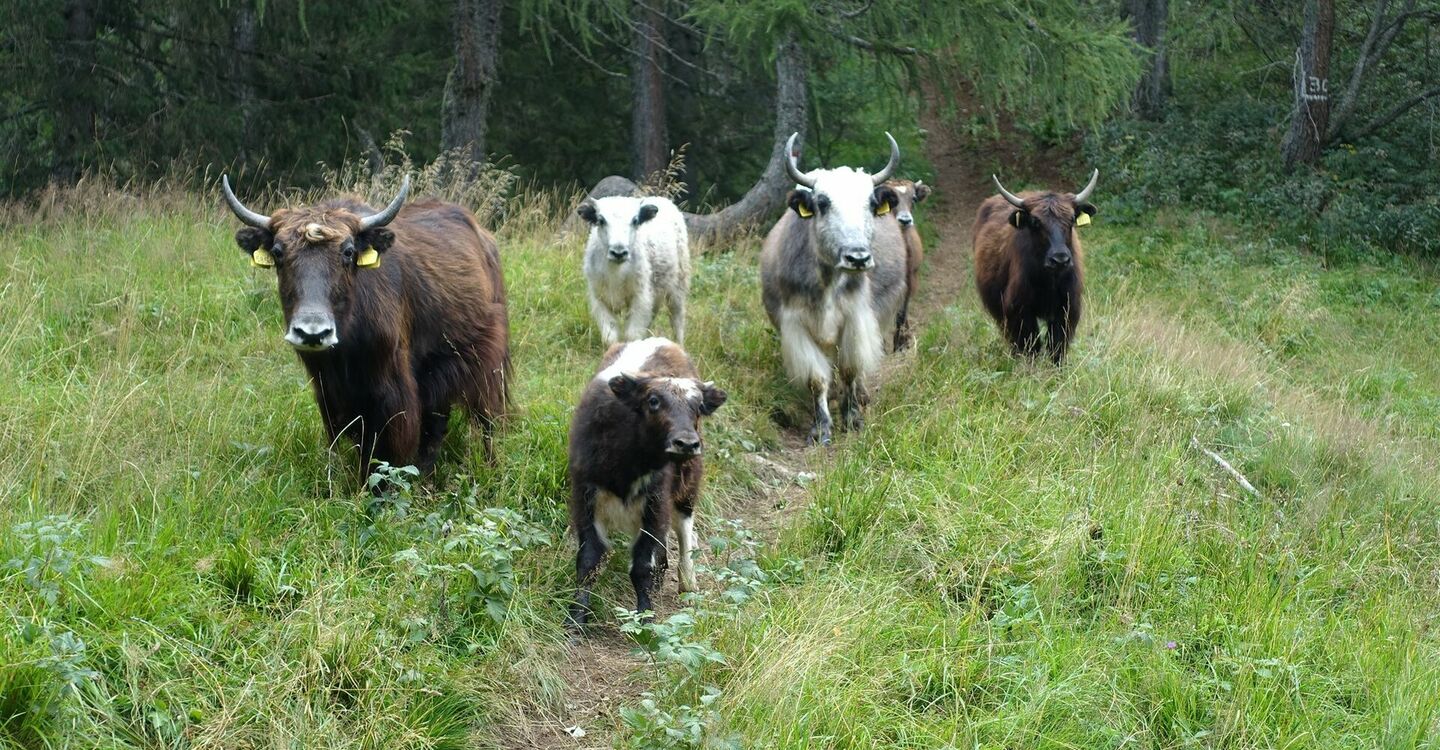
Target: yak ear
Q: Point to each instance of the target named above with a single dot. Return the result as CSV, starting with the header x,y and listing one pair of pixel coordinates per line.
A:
x,y
586,211
251,239
883,200
711,398
647,212
626,388
803,202
380,239
1086,208
922,191
1019,218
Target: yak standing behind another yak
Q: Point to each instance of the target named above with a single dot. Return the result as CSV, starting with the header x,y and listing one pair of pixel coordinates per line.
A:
x,y
1028,265
909,194
396,315
637,257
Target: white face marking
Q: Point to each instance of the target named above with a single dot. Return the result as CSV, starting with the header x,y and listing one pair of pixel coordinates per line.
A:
x,y
848,222
688,388
615,227
633,357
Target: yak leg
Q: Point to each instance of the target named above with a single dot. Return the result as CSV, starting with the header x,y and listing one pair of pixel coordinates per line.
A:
x,y
806,363
606,319
1058,337
852,400
642,312
647,552
434,425
902,327
684,526
1023,330
677,315
588,557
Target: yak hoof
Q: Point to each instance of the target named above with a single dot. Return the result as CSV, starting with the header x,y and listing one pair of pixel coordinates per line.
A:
x,y
854,420
819,435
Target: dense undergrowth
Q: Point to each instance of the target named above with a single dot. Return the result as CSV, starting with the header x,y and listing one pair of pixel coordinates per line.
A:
x,y
1009,556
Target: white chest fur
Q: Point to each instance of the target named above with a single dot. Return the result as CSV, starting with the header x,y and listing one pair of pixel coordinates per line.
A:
x,y
613,513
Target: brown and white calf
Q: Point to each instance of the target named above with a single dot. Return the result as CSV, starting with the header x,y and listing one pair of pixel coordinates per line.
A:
x,y
635,463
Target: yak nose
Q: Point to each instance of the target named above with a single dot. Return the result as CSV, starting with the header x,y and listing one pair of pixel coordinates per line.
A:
x,y
905,218
685,444
619,254
1058,260
856,259
312,332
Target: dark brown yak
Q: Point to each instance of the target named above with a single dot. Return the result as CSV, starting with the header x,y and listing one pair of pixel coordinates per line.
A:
x,y
635,464
910,194
390,346
1028,265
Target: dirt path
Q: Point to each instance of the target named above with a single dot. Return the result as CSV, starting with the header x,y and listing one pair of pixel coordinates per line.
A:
x,y
601,676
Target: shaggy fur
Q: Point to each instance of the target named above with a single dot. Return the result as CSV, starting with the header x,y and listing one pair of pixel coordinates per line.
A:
x,y
424,330
828,318
637,258
1011,274
635,464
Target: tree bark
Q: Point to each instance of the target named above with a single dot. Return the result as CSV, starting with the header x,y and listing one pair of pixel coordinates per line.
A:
x,y
1148,18
649,150
76,112
471,82
1310,118
244,32
767,196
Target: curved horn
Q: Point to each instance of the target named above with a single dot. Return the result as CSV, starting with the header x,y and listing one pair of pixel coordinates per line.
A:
x,y
388,214
880,177
1010,197
252,218
794,168
1083,194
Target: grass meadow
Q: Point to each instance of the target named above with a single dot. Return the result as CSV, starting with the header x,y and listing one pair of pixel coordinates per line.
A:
x,y
1009,556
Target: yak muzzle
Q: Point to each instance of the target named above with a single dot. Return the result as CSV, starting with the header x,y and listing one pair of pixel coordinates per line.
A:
x,y
619,255
1060,261
312,332
684,445
905,218
858,259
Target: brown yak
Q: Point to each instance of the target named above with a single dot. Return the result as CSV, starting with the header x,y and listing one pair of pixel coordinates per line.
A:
x,y
636,465
910,195
396,315
1028,264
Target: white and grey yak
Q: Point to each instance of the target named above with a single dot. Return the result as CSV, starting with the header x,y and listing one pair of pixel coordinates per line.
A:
x,y
833,279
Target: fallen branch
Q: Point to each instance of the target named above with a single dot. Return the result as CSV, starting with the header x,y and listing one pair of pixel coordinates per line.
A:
x,y
1236,475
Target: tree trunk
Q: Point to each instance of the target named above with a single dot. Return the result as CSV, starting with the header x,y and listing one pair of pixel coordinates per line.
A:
x,y
767,196
1148,18
471,82
1310,119
648,141
75,126
244,31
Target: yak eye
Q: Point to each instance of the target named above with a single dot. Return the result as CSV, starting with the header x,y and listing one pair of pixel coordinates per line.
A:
x,y
654,402
600,221
822,203
276,251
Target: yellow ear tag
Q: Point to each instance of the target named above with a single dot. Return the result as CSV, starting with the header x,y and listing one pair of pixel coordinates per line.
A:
x,y
804,212
1083,220
883,208
368,259
262,258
